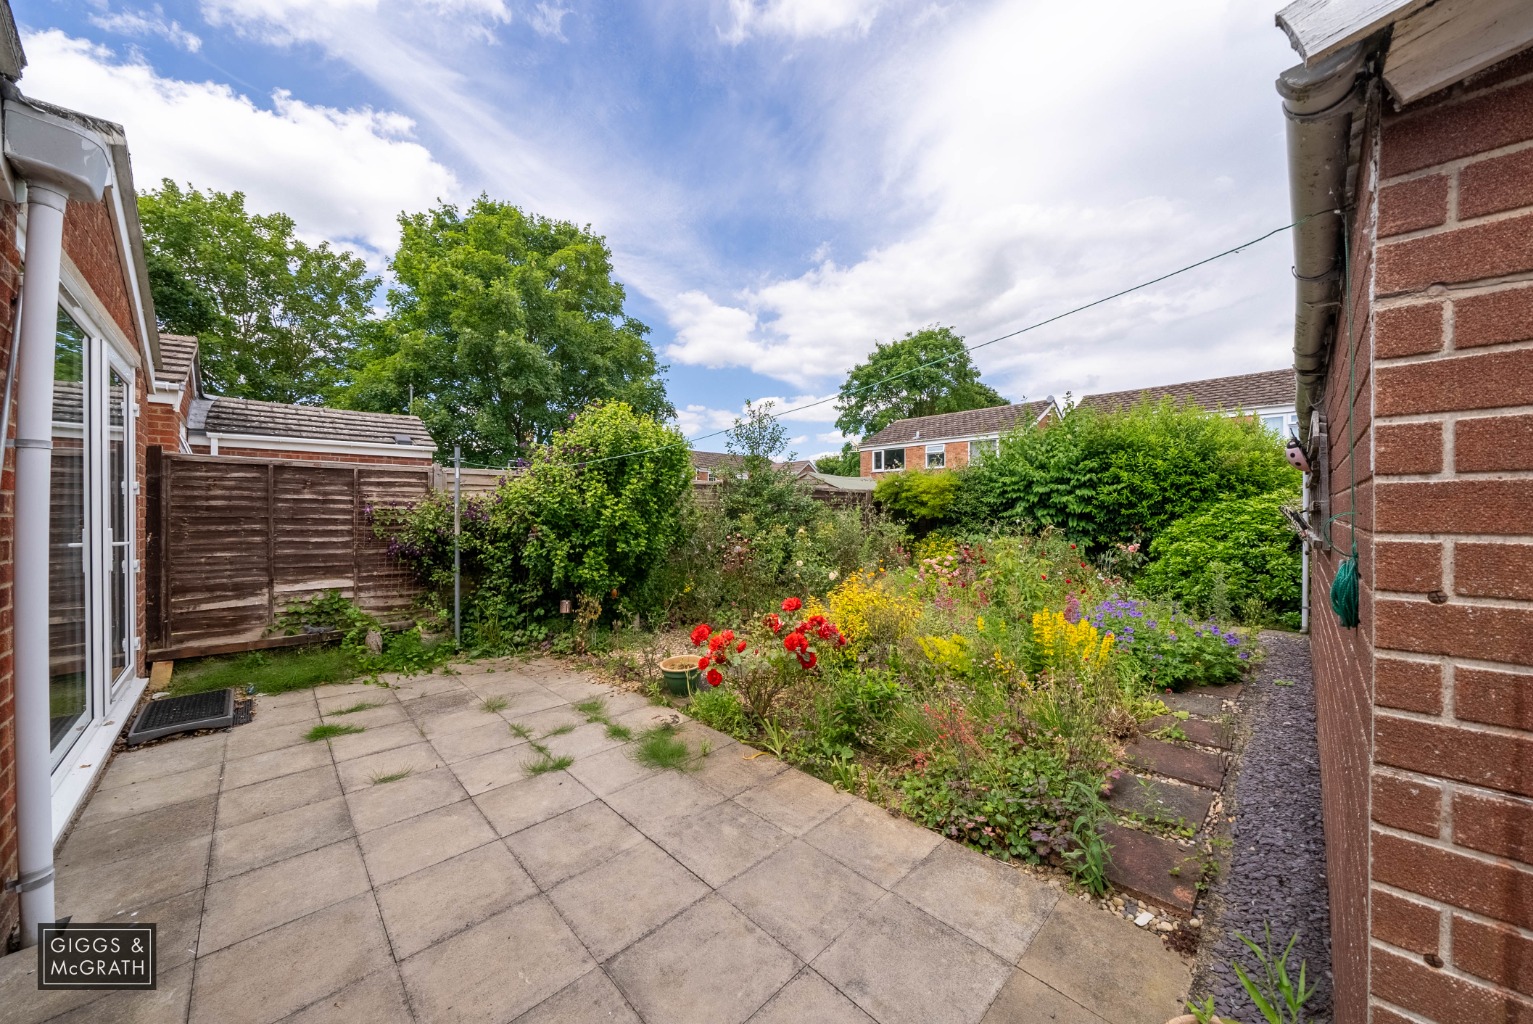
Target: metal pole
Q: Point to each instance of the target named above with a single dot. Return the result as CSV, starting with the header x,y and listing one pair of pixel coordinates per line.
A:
x,y
457,528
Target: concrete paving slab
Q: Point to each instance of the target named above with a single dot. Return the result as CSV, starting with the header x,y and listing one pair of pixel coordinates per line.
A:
x,y
449,722
179,920
96,892
543,722
274,764
24,1003
609,771
378,998
389,737
531,800
270,975
586,740
444,702
391,713
810,999
423,908
660,799
245,741
278,837
615,903
361,772
125,838
290,714
388,802
413,688
990,902
494,769
237,806
719,842
903,966
733,769
138,797
144,763
330,702
793,801
484,739
248,904
576,840
575,689
407,846
1121,973
593,999
466,978
166,1002
802,897
526,699
282,700
1025,998
709,965
873,842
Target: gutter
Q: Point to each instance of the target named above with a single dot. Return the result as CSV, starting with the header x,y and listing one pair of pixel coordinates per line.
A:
x,y
1319,102
60,160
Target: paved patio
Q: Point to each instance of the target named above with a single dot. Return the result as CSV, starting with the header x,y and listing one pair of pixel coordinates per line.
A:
x,y
289,885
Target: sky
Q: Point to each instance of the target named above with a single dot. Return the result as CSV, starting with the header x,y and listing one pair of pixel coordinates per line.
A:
x,y
783,183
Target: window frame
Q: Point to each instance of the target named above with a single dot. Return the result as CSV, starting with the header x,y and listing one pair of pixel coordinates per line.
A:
x,y
880,463
938,450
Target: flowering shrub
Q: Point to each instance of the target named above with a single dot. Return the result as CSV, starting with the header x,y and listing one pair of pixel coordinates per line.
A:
x,y
872,614
1173,650
1059,644
764,665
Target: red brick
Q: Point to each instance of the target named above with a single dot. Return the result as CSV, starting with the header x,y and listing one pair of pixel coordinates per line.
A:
x,y
1500,827
1408,448
1408,330
1474,253
1493,318
1412,205
1492,760
1501,507
1497,184
1384,1015
1483,380
1493,444
1405,923
1408,685
1441,997
1494,698
1493,570
1411,567
1454,131
1493,952
1494,889
1410,804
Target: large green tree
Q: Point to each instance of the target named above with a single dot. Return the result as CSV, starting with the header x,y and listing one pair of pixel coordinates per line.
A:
x,y
276,319
505,325
924,373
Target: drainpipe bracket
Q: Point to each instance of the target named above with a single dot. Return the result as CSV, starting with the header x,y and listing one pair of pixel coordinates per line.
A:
x,y
31,880
29,442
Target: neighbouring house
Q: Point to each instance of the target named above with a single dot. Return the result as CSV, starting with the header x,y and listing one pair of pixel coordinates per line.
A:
x,y
1268,396
81,358
713,467
1410,150
948,440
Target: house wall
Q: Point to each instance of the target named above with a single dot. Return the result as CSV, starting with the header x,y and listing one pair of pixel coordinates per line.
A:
x,y
1444,654
10,288
162,424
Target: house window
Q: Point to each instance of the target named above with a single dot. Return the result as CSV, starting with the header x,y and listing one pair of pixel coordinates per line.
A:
x,y
982,447
1281,424
936,456
888,460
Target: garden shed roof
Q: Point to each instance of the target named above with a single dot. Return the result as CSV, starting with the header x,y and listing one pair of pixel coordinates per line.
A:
x,y
1242,391
311,422
955,425
177,354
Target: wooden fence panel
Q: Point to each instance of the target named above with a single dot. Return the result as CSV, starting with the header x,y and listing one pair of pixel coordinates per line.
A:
x,y
234,541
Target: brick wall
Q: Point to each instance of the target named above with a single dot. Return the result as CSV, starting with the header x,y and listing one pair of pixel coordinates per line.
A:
x,y
1446,639
866,462
10,286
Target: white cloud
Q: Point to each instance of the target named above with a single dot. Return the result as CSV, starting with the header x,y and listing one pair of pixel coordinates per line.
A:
x,y
548,20
697,420
140,24
341,174
799,19
285,21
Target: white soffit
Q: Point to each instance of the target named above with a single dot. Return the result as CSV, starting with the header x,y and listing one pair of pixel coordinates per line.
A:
x,y
1318,28
1451,40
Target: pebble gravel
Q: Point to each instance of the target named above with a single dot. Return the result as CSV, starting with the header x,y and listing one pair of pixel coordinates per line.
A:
x,y
1276,869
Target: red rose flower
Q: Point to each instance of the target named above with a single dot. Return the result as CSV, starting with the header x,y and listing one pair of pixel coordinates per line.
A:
x,y
792,604
1043,575
715,642
702,663
740,647
728,636
715,677
773,622
808,660
700,633
718,658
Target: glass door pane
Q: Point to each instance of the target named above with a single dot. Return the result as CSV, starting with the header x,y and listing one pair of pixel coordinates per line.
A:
x,y
69,689
119,511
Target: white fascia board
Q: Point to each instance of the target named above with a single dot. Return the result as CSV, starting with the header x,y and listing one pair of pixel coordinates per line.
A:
x,y
1318,28
922,442
268,442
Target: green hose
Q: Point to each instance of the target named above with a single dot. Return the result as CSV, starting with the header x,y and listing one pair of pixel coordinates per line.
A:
x,y
1344,591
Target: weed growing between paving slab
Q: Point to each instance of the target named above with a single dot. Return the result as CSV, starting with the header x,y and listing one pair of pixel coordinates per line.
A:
x,y
330,730
393,776
493,705
361,705
659,747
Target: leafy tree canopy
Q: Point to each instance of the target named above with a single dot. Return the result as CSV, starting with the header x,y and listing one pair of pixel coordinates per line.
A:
x,y
505,325
869,403
276,319
846,462
759,495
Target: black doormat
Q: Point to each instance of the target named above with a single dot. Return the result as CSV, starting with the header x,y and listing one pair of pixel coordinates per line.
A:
x,y
211,710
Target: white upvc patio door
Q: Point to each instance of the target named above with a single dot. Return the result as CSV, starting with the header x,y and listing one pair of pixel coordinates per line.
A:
x,y
92,569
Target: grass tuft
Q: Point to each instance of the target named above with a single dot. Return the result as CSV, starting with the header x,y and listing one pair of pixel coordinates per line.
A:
x,y
619,732
661,748
393,776
560,731
546,762
330,730
520,731
594,709
361,705
494,704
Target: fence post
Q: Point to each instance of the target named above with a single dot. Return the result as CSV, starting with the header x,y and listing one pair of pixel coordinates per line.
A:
x,y
457,527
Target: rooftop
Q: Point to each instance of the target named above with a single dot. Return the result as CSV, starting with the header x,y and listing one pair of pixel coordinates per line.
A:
x,y
969,423
177,354
312,422
1242,391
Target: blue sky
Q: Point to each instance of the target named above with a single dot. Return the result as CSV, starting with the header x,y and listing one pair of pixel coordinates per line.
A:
x,y
783,182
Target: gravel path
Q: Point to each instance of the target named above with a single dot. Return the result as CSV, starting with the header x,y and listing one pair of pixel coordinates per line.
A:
x,y
1276,871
